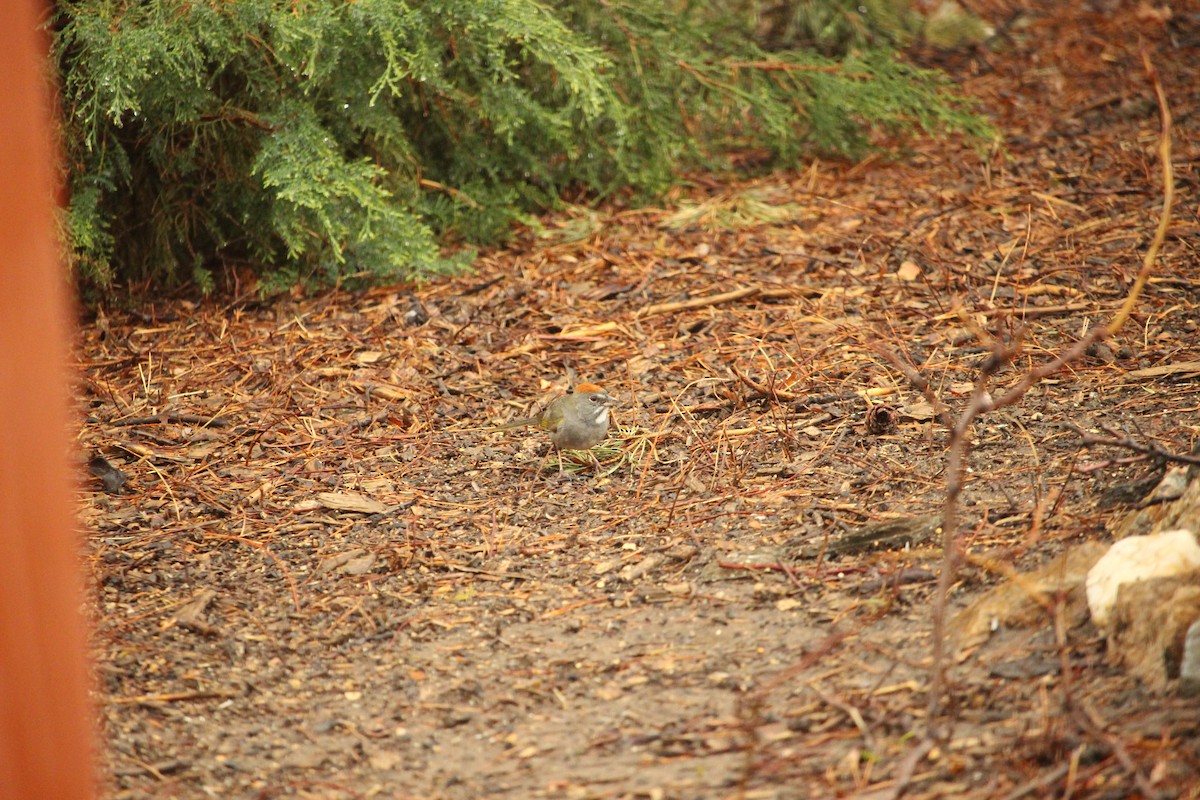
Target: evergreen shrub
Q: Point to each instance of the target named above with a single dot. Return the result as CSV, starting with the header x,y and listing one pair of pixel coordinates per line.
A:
x,y
317,140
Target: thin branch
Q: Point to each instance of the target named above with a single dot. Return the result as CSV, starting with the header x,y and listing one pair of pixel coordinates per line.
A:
x,y
1116,439
785,66
981,402
1164,220
175,419
698,302
956,463
771,391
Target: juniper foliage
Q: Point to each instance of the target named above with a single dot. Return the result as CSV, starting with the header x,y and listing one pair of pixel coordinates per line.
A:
x,y
315,140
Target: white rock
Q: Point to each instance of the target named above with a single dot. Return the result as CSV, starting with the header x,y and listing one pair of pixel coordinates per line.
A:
x,y
1138,558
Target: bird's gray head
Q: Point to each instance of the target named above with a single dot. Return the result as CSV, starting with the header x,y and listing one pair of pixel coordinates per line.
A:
x,y
598,401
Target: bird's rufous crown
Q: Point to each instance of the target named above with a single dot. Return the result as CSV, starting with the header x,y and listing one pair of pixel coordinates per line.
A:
x,y
588,387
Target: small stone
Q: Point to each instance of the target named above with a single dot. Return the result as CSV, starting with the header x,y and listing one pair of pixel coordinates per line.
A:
x,y
1139,558
1189,667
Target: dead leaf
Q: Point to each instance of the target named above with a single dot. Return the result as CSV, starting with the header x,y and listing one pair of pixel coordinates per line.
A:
x,y
359,566
919,412
191,616
333,562
351,501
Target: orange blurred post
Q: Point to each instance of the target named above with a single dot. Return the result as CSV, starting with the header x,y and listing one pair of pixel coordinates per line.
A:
x,y
46,724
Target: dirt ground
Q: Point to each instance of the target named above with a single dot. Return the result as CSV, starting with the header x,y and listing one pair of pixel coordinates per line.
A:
x,y
327,578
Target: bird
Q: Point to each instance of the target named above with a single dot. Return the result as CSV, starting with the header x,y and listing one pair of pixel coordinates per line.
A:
x,y
576,421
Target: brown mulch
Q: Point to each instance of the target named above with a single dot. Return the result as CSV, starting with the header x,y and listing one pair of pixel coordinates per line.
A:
x,y
327,578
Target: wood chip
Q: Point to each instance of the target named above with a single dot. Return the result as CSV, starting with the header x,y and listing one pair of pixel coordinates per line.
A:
x,y
351,501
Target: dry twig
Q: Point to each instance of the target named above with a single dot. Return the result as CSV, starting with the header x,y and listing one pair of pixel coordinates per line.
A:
x,y
981,402
770,391
1117,439
699,302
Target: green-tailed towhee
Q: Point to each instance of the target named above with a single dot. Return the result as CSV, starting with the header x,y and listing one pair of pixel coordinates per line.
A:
x,y
577,421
